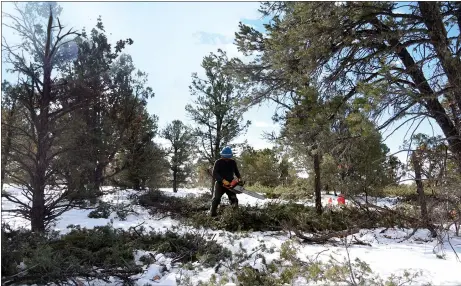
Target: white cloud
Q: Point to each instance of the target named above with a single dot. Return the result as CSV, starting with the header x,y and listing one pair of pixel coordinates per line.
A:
x,y
162,142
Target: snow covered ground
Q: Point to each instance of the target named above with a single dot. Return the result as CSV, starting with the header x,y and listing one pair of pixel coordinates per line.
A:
x,y
387,254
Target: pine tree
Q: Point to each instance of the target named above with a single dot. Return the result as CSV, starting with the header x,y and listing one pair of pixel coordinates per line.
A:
x,y
141,162
109,122
41,96
181,151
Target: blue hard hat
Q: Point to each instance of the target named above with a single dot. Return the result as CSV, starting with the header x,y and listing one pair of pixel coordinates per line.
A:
x,y
226,152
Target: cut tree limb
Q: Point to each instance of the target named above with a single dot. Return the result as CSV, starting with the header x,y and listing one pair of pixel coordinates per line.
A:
x,y
324,238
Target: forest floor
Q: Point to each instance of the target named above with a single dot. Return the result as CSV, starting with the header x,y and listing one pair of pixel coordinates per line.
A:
x,y
385,250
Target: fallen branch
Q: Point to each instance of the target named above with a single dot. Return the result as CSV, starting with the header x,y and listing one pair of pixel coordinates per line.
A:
x,y
321,239
101,274
360,242
7,280
416,222
410,235
135,227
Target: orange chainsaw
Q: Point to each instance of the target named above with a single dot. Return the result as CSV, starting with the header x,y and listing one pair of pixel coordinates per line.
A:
x,y
234,183
236,186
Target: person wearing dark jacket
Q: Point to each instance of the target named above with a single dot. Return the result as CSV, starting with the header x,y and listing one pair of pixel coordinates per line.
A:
x,y
223,173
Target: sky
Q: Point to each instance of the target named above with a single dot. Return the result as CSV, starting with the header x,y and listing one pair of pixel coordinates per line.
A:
x,y
170,41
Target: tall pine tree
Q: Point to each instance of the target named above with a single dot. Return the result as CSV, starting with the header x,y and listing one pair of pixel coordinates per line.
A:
x,y
181,151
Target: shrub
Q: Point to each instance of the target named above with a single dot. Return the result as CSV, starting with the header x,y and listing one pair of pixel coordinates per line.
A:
x,y
402,190
177,207
123,210
103,210
275,216
299,189
16,244
77,254
290,269
269,217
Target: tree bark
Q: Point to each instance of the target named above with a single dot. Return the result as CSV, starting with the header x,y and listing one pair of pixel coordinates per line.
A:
x,y
175,180
433,19
318,193
38,210
433,105
420,189
98,180
39,180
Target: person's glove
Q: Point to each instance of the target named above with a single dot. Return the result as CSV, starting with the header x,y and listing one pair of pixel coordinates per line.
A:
x,y
226,183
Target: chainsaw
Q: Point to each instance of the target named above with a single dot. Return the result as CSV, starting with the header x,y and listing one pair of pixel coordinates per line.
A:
x,y
236,186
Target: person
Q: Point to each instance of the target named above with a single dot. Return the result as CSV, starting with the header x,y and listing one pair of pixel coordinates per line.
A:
x,y
223,173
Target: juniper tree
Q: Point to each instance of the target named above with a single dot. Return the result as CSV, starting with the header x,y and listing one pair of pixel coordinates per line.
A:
x,y
265,166
181,152
118,98
140,162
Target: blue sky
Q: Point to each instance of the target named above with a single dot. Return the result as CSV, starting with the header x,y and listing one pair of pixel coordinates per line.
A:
x,y
170,41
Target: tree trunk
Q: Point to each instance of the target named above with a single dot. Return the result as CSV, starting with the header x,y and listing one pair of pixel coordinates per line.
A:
x,y
175,181
318,193
43,142
39,180
38,210
97,180
451,63
420,189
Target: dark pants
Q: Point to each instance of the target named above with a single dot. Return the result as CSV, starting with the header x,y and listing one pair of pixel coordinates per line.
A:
x,y
219,191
